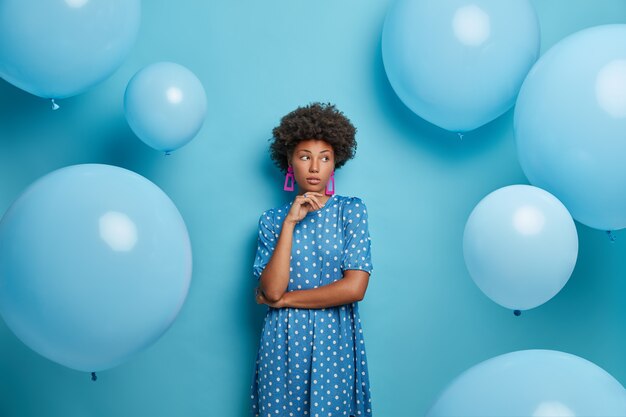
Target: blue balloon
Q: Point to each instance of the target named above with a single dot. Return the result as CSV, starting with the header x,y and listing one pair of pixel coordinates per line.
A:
x,y
533,383
520,246
57,49
95,264
570,124
165,105
459,64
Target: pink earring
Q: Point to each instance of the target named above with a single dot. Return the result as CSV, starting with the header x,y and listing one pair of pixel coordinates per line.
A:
x,y
332,179
288,177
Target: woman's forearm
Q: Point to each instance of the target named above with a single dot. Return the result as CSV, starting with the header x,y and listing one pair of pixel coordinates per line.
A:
x,y
337,293
275,277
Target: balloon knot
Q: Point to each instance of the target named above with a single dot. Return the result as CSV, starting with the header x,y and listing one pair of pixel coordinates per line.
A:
x,y
611,235
54,105
517,313
168,153
460,135
93,376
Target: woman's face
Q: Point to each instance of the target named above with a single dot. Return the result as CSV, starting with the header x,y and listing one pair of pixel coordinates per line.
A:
x,y
313,161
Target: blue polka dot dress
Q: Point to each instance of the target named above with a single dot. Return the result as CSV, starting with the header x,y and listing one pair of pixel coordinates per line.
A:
x,y
311,362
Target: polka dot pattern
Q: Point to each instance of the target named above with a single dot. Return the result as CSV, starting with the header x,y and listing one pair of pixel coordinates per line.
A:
x,y
312,362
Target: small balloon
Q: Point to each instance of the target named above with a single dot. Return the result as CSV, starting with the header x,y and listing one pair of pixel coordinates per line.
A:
x,y
165,105
520,246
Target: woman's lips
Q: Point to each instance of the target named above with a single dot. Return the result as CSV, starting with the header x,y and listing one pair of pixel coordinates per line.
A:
x,y
313,180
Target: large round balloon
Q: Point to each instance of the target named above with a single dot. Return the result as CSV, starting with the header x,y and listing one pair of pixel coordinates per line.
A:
x,y
165,105
456,63
533,383
95,264
60,48
520,246
570,124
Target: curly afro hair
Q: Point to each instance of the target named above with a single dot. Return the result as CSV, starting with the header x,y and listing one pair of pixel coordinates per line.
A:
x,y
315,121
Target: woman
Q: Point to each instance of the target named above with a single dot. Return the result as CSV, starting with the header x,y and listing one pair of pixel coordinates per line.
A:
x,y
313,264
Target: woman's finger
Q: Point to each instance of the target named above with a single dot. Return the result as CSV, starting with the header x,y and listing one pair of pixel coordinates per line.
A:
x,y
310,200
317,202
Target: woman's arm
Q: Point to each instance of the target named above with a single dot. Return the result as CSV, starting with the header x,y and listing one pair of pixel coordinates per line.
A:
x,y
349,289
275,277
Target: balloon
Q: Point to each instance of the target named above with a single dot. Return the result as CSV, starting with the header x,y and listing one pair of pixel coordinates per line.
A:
x,y
165,105
57,49
534,383
570,122
520,246
95,264
459,64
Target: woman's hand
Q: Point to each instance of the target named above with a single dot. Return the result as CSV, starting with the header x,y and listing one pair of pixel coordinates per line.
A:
x,y
260,299
302,205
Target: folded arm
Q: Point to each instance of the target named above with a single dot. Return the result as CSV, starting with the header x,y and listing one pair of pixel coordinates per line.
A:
x,y
349,289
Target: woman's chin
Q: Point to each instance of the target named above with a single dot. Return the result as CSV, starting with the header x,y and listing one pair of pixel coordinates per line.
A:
x,y
310,189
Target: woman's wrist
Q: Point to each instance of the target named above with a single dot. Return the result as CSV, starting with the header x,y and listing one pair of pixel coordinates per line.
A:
x,y
289,223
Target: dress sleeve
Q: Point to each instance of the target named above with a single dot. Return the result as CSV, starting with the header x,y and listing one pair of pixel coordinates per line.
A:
x,y
356,247
266,244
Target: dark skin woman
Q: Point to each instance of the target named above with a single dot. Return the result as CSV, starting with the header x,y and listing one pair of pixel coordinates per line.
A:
x,y
312,161
313,265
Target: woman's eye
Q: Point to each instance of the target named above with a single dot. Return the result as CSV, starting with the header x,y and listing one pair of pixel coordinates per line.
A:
x,y
303,157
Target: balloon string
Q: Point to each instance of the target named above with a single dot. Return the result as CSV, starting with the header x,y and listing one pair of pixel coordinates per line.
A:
x,y
54,105
93,376
611,235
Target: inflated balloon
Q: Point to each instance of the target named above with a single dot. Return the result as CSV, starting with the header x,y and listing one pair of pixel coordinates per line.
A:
x,y
533,383
459,64
57,49
165,105
520,246
95,264
570,124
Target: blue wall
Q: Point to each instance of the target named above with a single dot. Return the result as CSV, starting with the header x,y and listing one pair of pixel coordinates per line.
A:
x,y
424,319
